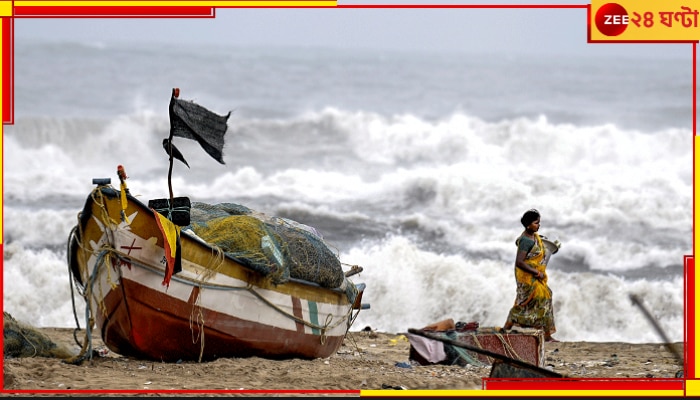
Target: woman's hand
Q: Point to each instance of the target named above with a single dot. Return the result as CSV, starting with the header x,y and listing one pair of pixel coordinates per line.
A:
x,y
539,274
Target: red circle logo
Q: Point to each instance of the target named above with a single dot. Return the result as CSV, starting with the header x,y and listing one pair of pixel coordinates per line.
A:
x,y
611,19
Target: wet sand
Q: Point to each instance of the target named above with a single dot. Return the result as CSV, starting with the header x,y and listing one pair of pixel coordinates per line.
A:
x,y
367,360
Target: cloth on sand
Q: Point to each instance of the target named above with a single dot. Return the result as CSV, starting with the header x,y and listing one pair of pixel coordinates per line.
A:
x,y
432,351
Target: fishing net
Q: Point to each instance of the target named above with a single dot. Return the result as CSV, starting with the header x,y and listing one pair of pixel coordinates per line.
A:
x,y
459,356
22,340
202,212
276,247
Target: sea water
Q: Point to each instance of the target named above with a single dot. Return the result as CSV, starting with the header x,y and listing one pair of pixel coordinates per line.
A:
x,y
415,166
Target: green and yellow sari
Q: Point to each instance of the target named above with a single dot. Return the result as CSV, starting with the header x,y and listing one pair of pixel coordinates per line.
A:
x,y
533,302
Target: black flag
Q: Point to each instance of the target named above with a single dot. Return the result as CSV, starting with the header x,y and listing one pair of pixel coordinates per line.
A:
x,y
192,121
168,146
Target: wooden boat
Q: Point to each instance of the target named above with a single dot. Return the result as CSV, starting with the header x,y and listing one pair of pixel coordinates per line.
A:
x,y
480,348
215,306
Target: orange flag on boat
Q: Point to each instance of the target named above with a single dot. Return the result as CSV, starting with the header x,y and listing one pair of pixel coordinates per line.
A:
x,y
171,236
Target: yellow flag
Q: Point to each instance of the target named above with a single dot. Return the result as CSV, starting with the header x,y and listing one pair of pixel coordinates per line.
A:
x,y
170,232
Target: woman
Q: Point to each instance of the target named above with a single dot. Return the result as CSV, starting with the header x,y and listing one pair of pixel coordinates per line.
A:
x,y
533,302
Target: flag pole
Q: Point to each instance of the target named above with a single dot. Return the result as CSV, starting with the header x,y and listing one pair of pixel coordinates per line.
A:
x,y
170,170
175,94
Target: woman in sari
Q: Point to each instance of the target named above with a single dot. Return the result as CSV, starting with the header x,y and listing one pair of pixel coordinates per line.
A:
x,y
533,302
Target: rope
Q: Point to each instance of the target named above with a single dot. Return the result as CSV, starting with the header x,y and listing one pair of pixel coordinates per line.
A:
x,y
210,270
26,339
478,344
72,279
508,347
86,349
88,281
170,209
200,324
323,328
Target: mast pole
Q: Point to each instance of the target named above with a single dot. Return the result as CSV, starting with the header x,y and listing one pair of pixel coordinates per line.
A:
x,y
175,94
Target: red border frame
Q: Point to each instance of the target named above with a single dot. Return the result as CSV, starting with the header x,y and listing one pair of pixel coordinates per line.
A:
x,y
8,70
489,383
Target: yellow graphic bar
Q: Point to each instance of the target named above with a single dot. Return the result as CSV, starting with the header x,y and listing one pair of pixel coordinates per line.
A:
x,y
5,8
692,388
645,21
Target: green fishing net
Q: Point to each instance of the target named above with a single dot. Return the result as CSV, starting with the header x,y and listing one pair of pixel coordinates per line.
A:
x,y
23,340
276,247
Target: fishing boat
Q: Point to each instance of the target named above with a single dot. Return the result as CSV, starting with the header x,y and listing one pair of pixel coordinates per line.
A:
x,y
213,307
158,285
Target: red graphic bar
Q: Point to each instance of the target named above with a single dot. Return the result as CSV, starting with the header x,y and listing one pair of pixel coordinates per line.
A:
x,y
583,384
113,11
8,70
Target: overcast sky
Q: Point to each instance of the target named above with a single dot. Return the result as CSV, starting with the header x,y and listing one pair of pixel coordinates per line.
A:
x,y
516,30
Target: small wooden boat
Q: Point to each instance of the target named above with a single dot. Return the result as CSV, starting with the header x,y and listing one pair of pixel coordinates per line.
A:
x,y
478,347
213,306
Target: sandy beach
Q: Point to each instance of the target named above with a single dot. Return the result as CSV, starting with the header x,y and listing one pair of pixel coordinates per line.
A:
x,y
367,360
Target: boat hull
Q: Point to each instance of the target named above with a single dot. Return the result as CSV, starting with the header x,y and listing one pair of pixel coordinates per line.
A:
x,y
214,307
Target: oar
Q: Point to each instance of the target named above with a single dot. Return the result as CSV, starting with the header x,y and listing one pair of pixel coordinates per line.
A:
x,y
636,300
